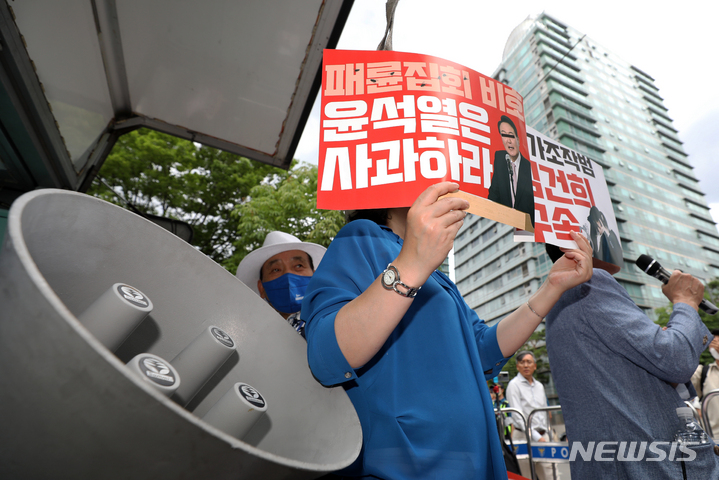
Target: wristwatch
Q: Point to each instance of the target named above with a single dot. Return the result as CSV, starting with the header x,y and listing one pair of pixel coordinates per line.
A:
x,y
390,281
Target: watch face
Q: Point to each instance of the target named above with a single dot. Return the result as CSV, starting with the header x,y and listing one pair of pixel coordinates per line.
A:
x,y
388,277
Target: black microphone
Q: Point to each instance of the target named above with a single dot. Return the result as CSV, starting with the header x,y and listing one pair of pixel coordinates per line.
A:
x,y
651,267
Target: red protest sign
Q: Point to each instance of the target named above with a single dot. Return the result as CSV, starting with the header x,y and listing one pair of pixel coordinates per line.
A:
x,y
394,123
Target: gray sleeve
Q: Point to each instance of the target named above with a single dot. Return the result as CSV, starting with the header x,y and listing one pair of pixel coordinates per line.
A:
x,y
671,355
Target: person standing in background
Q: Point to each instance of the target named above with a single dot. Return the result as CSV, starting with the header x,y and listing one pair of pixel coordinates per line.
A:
x,y
706,379
525,393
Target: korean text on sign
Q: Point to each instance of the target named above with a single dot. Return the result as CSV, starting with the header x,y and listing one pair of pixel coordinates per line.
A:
x,y
566,185
394,123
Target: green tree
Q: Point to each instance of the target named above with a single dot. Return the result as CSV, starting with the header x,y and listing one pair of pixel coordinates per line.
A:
x,y
163,175
711,293
288,203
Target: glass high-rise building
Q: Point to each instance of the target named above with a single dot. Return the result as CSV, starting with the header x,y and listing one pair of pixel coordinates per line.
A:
x,y
589,99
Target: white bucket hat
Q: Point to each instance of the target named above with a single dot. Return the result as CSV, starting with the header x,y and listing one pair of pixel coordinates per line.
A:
x,y
275,242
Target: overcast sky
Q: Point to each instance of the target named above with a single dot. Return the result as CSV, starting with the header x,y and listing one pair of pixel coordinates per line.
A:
x,y
674,42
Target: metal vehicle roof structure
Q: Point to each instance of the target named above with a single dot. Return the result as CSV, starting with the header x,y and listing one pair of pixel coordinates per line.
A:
x,y
74,75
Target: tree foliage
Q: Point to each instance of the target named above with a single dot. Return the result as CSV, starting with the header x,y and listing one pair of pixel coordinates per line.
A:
x,y
711,293
213,191
287,203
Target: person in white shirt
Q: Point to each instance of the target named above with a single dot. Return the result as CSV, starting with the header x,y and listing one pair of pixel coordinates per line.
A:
x,y
705,381
525,393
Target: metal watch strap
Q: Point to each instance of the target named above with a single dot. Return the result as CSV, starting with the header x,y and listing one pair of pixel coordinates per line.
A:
x,y
411,291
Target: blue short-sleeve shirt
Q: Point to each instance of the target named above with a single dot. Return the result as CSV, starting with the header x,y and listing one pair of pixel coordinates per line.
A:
x,y
422,400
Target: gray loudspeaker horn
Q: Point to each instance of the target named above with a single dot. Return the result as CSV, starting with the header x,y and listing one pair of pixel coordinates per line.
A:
x,y
69,408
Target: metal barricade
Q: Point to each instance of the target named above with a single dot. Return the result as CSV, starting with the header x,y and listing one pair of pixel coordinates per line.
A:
x,y
705,415
500,414
704,418
697,415
529,438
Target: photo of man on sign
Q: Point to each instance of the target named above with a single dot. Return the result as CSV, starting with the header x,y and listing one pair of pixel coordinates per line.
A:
x,y
512,177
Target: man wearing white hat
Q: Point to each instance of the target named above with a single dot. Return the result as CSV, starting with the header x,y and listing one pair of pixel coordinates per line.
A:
x,y
279,272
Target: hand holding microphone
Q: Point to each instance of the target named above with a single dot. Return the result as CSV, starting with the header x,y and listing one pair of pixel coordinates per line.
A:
x,y
713,346
684,288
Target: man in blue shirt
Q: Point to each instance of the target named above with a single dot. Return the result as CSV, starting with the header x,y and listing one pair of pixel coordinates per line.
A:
x,y
615,372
